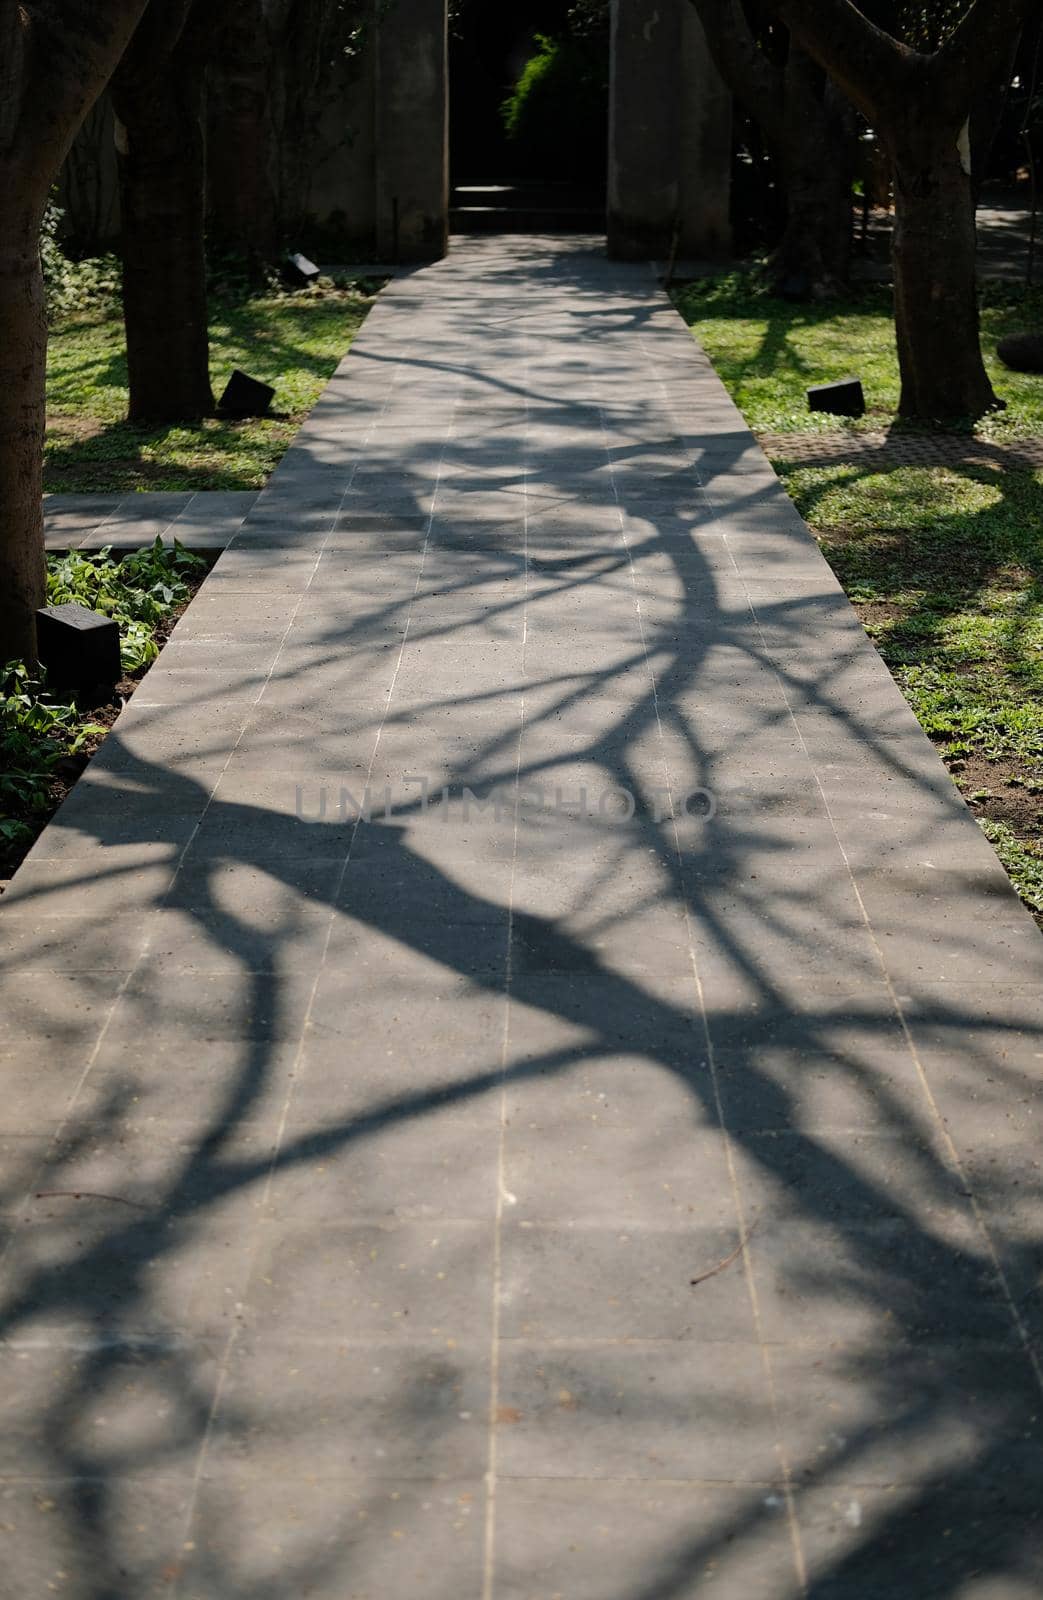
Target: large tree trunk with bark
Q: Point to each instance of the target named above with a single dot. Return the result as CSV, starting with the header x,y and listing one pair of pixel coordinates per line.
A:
x,y
815,150
921,104
158,98
935,286
54,63
813,257
23,362
810,131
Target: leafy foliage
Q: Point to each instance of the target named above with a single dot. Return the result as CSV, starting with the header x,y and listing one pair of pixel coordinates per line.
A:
x,y
138,592
926,24
36,734
45,736
556,114
1024,862
74,285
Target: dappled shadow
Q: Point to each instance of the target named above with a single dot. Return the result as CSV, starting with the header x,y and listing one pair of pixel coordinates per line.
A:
x,y
337,1077
86,452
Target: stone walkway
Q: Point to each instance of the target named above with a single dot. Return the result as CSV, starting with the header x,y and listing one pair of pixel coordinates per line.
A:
x,y
205,521
879,451
611,1169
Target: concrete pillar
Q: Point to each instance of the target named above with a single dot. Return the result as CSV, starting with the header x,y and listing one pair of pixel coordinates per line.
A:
x,y
706,147
644,127
411,118
669,169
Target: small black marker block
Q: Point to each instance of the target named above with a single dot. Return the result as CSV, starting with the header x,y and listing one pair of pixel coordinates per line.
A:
x,y
299,271
80,649
245,397
841,399
1022,352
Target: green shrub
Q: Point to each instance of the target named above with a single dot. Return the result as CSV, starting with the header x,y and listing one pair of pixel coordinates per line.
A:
x,y
36,733
41,730
69,286
556,116
138,592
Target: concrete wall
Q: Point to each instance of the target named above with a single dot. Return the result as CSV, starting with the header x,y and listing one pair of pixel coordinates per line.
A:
x,y
381,167
669,173
411,66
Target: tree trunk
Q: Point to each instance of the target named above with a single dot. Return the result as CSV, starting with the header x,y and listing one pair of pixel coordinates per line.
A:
x,y
813,257
162,168
810,131
54,63
23,363
936,304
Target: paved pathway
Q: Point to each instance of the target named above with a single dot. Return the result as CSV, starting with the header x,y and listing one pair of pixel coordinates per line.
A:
x,y
628,1191
876,450
204,521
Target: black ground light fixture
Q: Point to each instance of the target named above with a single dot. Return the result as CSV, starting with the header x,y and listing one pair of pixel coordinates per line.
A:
x,y
246,397
844,398
299,271
79,649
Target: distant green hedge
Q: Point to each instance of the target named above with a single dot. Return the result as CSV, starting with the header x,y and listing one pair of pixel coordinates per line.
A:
x,y
556,116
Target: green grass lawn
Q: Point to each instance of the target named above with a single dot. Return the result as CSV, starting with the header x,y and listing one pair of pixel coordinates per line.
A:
x,y
293,342
770,351
943,564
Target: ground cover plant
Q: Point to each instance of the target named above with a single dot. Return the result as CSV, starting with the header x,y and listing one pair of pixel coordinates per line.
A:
x,y
292,341
47,738
944,564
768,351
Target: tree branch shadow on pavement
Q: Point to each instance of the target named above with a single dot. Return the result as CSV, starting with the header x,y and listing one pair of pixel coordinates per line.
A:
x,y
866,1215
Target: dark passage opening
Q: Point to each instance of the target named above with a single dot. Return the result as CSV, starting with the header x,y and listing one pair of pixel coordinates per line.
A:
x,y
528,140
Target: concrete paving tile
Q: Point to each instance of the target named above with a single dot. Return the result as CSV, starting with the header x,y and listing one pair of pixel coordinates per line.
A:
x,y
102,1282
137,1176
879,1283
37,941
917,950
133,880
23,1155
199,1006
36,1097
208,939
173,685
334,1410
415,1282
564,1281
86,1414
345,1157
844,1179
60,1010
607,1166
609,1540
984,1544
383,1535
865,1084
897,1415
181,1093
373,1067
68,1534
674,1410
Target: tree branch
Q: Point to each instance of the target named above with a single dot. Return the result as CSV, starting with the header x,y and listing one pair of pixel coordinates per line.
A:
x,y
870,66
980,47
70,48
749,74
